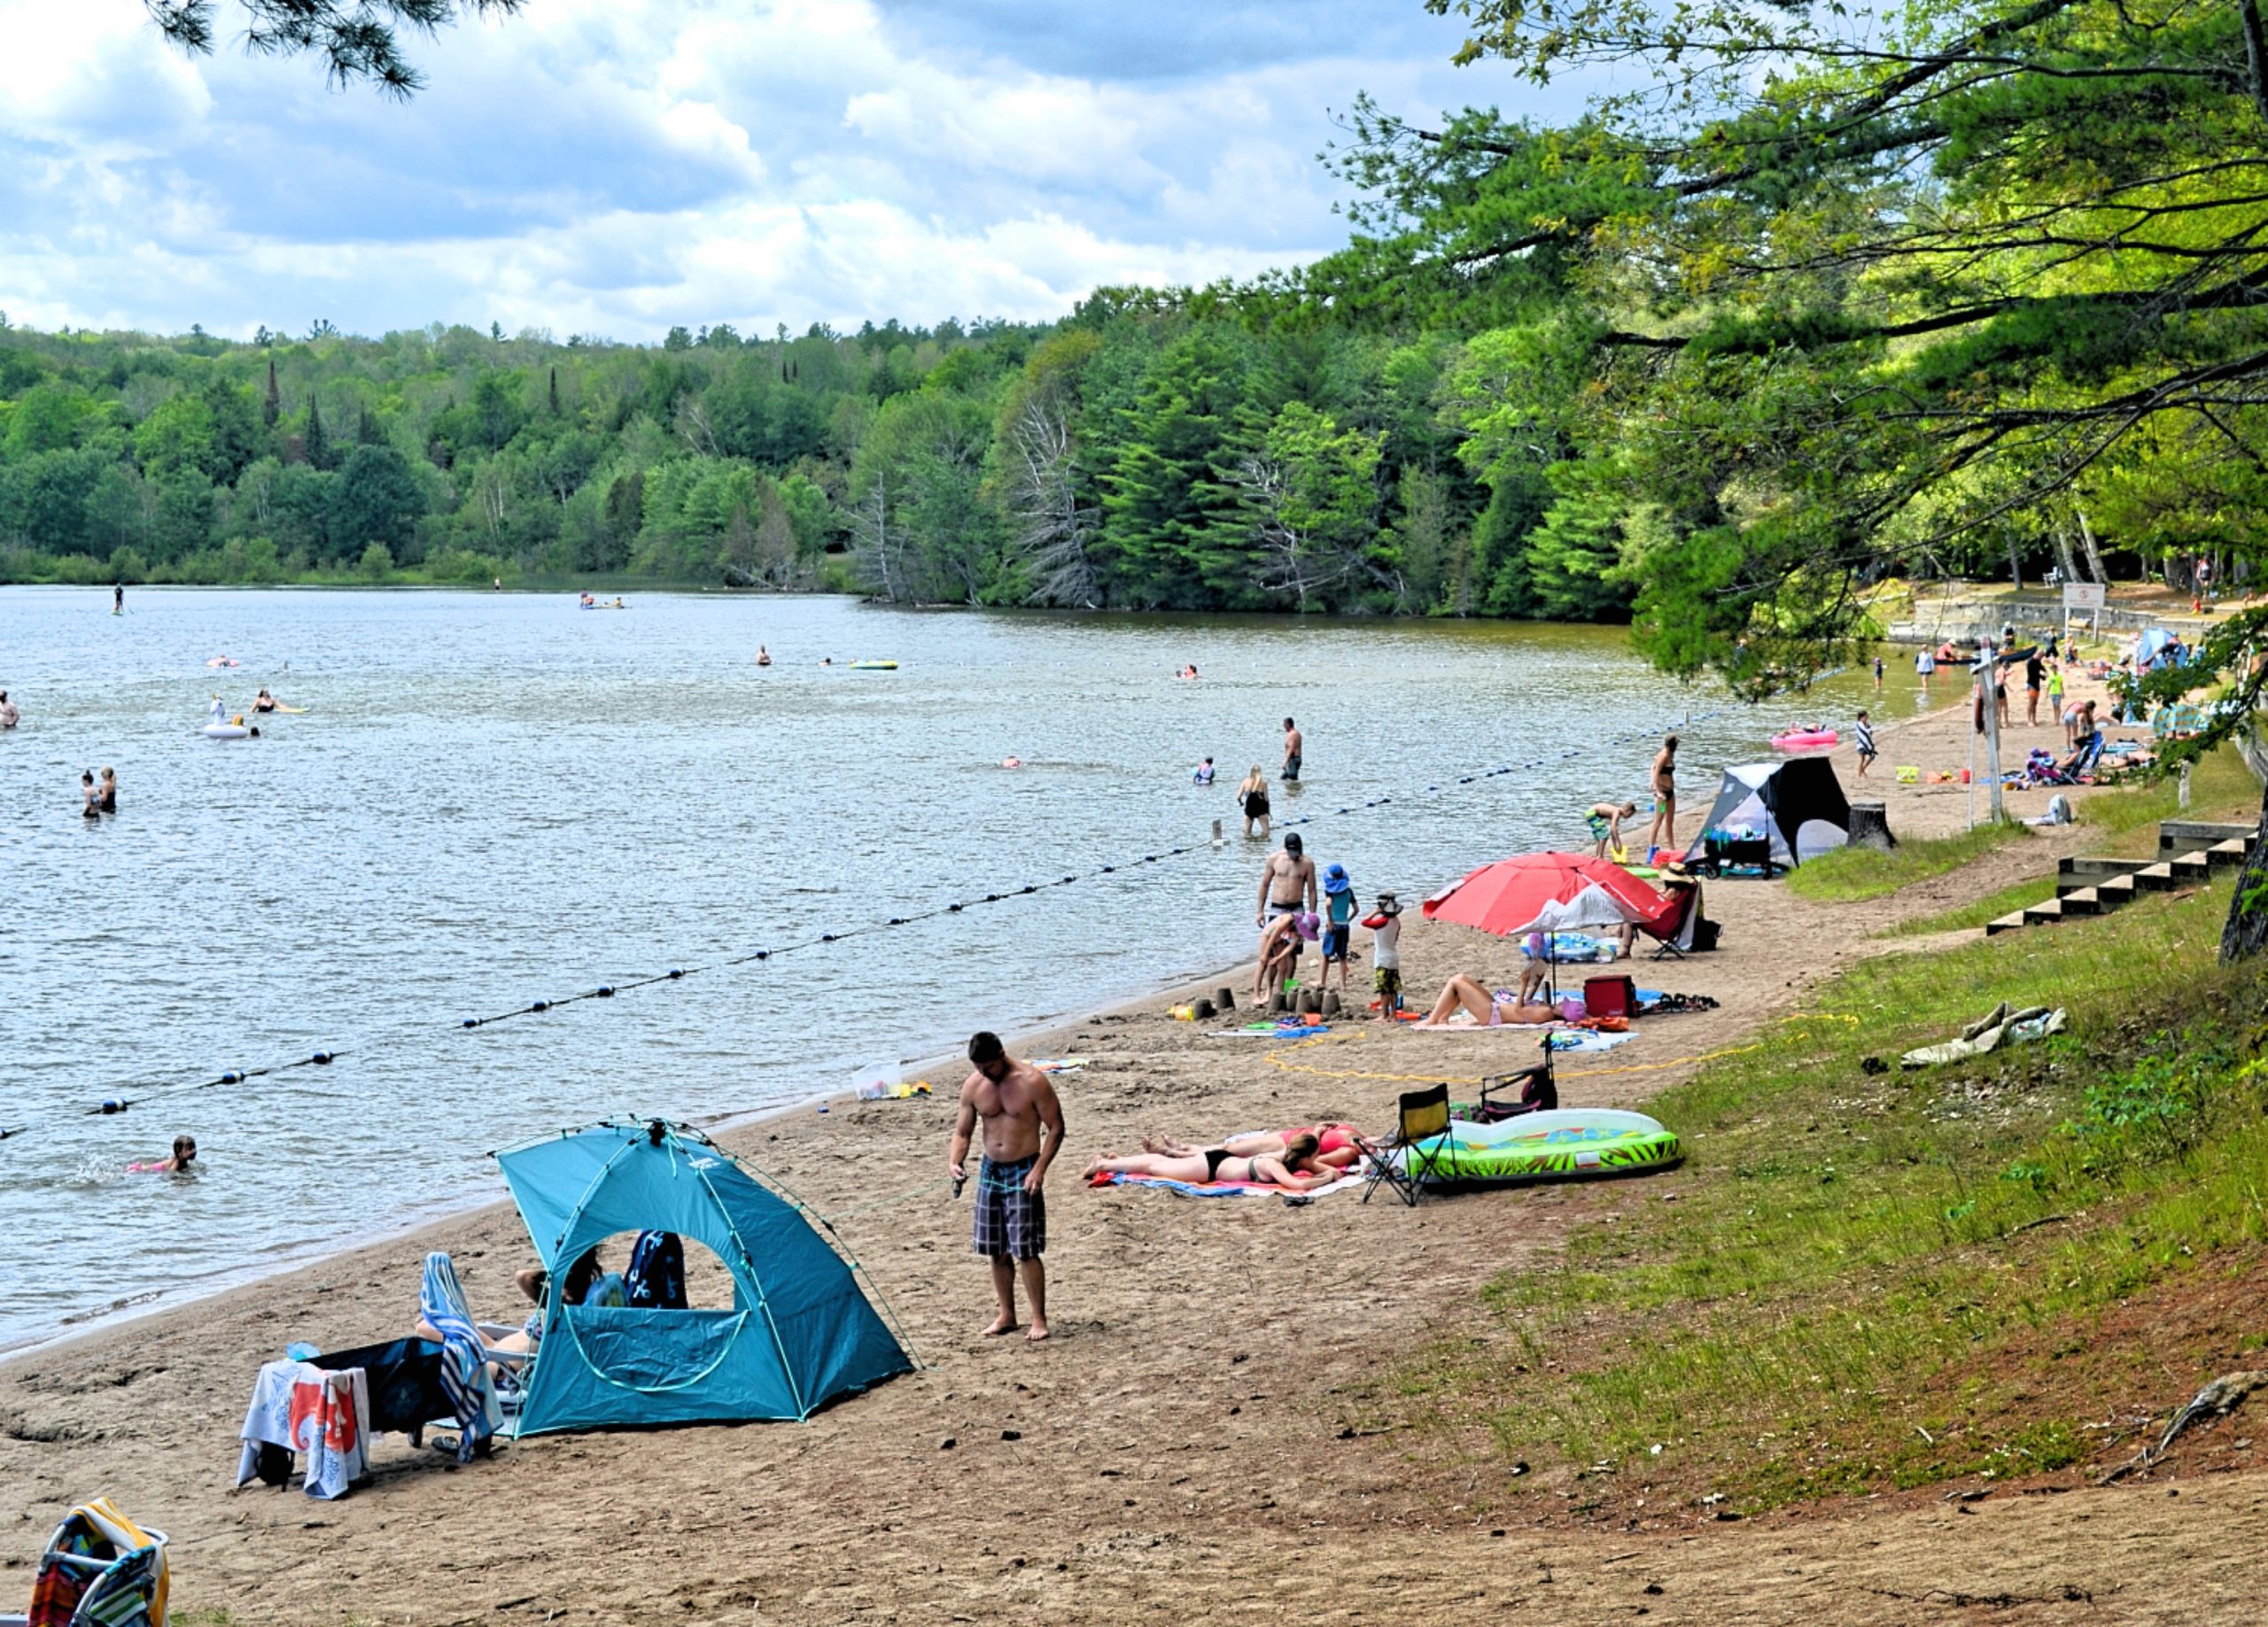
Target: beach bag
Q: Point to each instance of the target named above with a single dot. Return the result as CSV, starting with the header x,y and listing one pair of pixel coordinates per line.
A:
x,y
1610,996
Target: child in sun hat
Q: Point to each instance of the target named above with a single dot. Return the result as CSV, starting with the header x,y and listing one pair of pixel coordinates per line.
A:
x,y
1338,931
1386,955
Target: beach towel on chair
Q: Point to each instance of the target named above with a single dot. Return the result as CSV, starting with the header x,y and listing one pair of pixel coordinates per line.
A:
x,y
655,1280
464,1369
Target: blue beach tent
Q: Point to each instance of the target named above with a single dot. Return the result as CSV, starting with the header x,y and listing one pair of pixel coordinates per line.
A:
x,y
800,1332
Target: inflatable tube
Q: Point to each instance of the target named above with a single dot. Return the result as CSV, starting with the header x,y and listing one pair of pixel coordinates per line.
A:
x,y
1804,740
873,666
1568,1143
226,731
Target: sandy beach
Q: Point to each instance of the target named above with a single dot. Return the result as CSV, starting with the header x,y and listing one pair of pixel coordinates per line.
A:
x,y
1201,1440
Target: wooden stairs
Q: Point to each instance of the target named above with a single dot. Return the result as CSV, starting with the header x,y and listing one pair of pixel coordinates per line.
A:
x,y
2189,851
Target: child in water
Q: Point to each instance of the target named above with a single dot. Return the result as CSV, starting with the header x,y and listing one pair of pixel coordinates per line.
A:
x,y
184,1154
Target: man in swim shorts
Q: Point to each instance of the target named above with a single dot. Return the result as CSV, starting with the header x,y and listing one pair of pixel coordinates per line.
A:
x,y
1292,742
9,715
1287,882
1023,1130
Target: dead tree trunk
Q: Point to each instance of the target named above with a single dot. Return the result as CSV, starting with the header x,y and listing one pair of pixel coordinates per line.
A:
x,y
2245,933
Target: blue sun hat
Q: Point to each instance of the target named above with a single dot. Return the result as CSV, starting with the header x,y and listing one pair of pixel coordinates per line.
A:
x,y
1334,879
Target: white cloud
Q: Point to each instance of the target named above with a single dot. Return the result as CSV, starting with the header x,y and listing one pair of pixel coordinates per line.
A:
x,y
620,165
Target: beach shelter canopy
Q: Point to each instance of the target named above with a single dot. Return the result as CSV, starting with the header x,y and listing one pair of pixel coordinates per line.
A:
x,y
800,1332
1798,805
1547,892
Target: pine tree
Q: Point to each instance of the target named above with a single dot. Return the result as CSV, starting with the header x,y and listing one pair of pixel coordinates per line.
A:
x,y
317,447
271,406
554,392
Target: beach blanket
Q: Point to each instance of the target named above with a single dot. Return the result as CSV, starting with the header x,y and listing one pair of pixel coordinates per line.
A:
x,y
1587,1039
1059,1065
298,1408
464,1368
1265,1031
1226,1188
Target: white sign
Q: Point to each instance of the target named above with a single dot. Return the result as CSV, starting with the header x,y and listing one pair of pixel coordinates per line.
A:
x,y
2084,595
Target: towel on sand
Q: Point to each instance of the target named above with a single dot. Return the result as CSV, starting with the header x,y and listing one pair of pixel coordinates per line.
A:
x,y
1226,1188
1265,1031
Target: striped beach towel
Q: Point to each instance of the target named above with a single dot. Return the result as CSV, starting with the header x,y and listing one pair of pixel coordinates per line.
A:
x,y
464,1369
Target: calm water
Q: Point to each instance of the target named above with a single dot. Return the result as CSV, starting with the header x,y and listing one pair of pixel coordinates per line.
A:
x,y
496,799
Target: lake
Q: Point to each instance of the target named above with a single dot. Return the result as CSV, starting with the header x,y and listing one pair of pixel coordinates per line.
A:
x,y
496,799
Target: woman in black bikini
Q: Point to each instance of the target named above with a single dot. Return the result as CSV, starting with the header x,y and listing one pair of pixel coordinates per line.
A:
x,y
1297,1169
1251,797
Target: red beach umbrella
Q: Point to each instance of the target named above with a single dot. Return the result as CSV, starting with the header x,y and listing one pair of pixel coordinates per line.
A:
x,y
1546,892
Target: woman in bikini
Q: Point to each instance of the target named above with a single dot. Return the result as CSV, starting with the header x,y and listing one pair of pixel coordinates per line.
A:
x,y
1663,832
1335,1145
1298,1168
1486,1010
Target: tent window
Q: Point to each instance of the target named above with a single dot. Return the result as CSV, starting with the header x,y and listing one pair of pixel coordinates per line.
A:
x,y
707,1285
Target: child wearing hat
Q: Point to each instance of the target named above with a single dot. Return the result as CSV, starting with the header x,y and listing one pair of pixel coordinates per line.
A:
x,y
1338,933
1386,955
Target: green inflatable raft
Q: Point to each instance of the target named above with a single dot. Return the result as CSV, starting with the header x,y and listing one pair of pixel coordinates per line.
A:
x,y
1567,1143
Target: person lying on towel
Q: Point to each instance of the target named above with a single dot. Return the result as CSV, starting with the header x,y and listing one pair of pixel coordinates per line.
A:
x,y
1486,1010
1335,1145
1298,1169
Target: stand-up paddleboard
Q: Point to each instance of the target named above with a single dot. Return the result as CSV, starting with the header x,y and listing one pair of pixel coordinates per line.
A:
x,y
1567,1143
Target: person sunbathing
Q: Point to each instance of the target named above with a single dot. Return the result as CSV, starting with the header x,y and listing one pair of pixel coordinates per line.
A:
x,y
1486,1010
1299,1168
1335,1145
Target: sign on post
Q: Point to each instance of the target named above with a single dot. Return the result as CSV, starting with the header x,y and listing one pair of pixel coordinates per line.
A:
x,y
2085,595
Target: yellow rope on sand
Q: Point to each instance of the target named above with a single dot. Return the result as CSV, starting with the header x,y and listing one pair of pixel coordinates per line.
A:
x,y
1278,1058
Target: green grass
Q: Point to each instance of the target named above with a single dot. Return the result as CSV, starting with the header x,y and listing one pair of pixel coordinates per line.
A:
x,y
1848,875
1992,907
1874,1280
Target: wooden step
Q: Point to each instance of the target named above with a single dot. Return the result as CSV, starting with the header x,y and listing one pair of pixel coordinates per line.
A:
x,y
2113,893
2191,867
2044,915
2083,901
2068,882
2228,855
2181,835
2156,878
2084,868
2006,923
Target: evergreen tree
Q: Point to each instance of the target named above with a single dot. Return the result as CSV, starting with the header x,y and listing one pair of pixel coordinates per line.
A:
x,y
315,446
271,405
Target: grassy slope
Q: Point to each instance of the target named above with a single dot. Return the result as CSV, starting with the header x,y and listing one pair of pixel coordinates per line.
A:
x,y
1874,1280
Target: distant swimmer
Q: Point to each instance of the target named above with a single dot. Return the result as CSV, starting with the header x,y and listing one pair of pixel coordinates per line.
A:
x,y
1292,744
224,660
181,1163
587,602
617,604
1187,672
90,800
9,715
763,656
118,599
1202,774
1012,762
827,661
1251,802
265,702
106,797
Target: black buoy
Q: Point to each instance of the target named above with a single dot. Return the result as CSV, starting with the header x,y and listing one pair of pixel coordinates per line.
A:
x,y
541,1006
322,1058
676,971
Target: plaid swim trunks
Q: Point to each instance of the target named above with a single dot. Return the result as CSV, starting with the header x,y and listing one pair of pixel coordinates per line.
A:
x,y
1009,1220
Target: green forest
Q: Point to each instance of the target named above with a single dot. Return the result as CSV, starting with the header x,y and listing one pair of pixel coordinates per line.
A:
x,y
1973,290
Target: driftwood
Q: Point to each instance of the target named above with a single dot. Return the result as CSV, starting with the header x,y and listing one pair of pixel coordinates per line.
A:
x,y
2217,1399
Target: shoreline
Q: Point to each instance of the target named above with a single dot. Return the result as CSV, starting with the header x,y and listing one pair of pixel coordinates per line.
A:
x,y
721,1127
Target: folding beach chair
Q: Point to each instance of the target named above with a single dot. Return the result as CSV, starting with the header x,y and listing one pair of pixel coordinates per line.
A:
x,y
100,1569
1533,1089
1415,1150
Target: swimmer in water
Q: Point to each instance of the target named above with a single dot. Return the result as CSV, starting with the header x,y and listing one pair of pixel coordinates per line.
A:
x,y
118,598
107,795
1012,762
266,702
184,1157
827,661
9,715
587,602
91,799
763,656
223,660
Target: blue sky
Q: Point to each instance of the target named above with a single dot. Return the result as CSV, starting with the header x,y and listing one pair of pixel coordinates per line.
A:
x,y
614,167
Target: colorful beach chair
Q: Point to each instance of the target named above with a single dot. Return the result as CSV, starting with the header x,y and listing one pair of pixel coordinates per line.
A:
x,y
100,1569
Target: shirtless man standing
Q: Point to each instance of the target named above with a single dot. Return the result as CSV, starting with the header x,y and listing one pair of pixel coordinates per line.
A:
x,y
1286,883
1292,745
1017,1103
